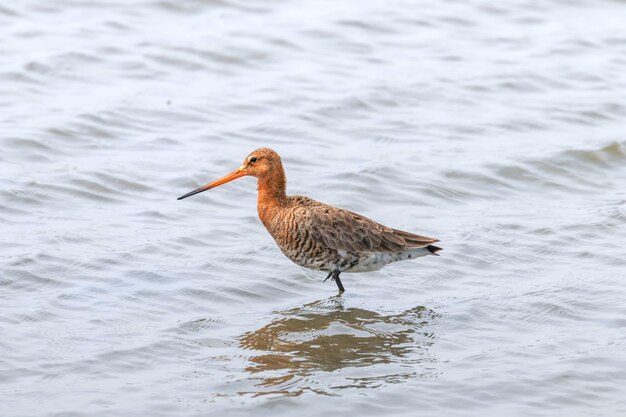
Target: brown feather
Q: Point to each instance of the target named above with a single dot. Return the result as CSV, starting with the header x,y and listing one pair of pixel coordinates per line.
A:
x,y
341,229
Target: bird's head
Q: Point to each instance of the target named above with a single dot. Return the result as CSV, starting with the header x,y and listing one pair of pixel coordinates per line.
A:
x,y
261,163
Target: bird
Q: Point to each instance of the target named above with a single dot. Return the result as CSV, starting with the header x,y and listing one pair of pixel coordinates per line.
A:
x,y
319,236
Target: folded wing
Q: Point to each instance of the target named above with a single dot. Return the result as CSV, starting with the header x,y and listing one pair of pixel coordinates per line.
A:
x,y
347,231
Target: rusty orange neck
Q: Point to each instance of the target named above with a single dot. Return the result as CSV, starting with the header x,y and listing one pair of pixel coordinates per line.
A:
x,y
272,194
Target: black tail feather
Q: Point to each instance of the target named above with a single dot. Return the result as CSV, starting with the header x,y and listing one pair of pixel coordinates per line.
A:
x,y
433,249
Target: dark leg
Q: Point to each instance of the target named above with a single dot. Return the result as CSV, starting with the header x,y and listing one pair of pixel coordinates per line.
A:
x,y
337,280
339,284
334,276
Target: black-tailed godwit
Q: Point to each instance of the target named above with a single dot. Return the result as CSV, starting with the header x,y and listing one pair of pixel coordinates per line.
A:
x,y
318,236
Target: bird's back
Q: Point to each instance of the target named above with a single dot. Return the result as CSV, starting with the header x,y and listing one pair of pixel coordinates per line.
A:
x,y
320,236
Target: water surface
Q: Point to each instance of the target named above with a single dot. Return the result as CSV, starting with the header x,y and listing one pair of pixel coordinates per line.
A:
x,y
498,128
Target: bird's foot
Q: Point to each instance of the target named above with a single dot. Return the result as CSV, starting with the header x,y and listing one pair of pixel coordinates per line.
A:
x,y
334,276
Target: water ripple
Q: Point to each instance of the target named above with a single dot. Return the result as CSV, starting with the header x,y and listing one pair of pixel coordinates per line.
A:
x,y
496,128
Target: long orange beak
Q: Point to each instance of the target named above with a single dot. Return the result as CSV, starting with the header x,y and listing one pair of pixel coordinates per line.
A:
x,y
228,178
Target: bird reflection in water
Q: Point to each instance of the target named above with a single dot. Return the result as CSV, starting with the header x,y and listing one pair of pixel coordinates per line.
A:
x,y
326,336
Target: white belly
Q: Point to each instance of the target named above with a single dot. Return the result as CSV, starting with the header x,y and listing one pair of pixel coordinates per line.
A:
x,y
375,261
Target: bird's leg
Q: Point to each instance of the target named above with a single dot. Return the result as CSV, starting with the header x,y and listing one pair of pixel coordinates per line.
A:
x,y
335,278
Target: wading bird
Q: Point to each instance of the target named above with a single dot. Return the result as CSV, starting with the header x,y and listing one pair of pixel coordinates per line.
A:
x,y
318,236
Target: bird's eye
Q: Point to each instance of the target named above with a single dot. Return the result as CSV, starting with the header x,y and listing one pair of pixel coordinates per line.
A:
x,y
253,159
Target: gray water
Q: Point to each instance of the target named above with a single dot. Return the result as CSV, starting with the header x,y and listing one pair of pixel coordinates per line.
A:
x,y
498,127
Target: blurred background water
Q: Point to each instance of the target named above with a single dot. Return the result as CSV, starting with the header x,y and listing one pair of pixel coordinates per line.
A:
x,y
496,127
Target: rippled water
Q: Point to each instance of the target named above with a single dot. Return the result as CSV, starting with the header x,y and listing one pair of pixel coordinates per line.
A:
x,y
496,127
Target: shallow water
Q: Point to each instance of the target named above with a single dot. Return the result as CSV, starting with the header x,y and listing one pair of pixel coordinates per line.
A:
x,y
498,128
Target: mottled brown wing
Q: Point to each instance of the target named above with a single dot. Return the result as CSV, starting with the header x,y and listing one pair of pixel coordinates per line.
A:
x,y
344,230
